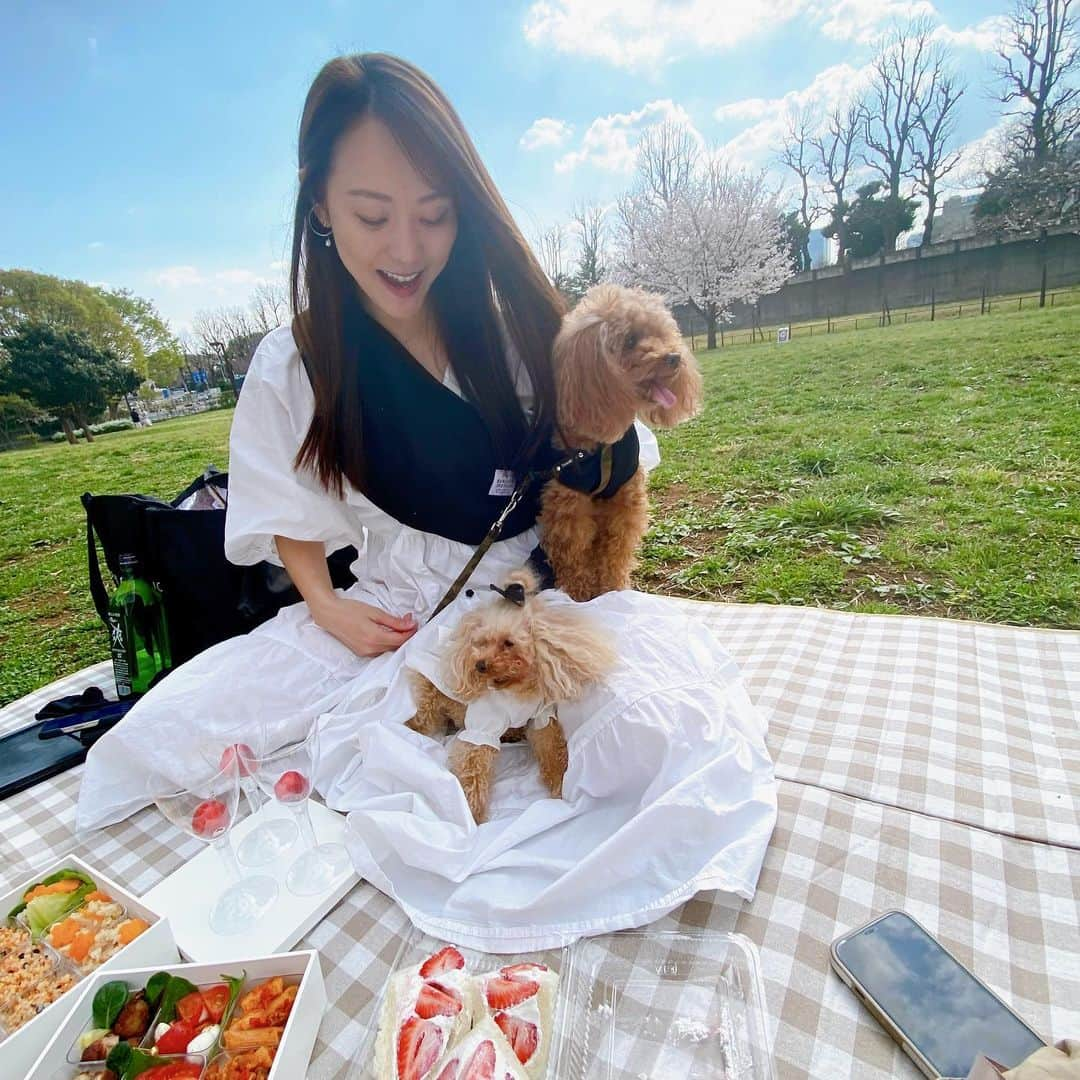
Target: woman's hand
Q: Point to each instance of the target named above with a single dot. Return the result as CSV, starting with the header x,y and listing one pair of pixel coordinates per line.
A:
x,y
367,630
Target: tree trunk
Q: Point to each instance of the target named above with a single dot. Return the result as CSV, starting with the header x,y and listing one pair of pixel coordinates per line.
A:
x,y
928,224
114,410
805,254
69,429
84,423
710,324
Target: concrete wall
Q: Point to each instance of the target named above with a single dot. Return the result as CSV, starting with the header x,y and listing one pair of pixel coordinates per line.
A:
x,y
958,270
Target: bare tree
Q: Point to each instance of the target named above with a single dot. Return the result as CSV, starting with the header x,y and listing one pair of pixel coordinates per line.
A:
x,y
588,220
667,157
229,334
269,306
932,154
837,146
797,153
549,249
1040,56
906,70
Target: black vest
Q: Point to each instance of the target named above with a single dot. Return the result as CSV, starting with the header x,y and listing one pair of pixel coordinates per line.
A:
x,y
430,460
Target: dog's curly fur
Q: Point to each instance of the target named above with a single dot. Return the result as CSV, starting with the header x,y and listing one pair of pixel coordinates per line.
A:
x,y
540,650
618,356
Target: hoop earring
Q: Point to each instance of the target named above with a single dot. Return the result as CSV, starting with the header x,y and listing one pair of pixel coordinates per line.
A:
x,y
312,220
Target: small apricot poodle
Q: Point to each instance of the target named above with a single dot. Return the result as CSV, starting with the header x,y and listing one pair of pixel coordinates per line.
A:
x,y
509,664
618,356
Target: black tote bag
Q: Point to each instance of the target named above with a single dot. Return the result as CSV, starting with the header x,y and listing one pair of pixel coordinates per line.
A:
x,y
207,599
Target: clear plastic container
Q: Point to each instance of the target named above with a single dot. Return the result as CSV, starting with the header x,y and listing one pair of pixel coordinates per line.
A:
x,y
636,1005
657,1005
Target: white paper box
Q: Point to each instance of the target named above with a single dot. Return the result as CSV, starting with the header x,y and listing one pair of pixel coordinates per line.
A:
x,y
187,895
297,1040
154,946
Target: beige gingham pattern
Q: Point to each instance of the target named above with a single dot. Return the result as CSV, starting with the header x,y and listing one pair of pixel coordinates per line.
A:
x,y
923,764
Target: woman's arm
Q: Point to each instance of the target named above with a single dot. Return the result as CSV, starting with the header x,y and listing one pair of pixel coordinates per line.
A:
x,y
365,629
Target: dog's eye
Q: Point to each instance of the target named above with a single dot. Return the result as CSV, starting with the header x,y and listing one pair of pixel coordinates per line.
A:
x,y
631,341
508,644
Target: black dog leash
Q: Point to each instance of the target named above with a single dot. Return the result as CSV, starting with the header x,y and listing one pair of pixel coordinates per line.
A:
x,y
498,524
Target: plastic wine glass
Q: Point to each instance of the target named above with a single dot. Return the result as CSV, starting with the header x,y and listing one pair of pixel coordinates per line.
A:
x,y
286,775
270,839
206,810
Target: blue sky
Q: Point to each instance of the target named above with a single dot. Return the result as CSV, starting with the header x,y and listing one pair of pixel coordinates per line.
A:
x,y
152,146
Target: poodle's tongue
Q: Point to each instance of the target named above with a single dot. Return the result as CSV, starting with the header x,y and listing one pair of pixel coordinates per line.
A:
x,y
661,395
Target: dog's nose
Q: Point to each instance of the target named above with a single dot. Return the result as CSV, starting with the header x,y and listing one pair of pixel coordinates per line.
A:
x,y
673,359
481,666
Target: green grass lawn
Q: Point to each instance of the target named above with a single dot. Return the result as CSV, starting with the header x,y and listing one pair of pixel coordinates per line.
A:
x,y
928,469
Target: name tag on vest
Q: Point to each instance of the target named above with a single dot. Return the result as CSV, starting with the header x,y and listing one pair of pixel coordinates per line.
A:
x,y
503,483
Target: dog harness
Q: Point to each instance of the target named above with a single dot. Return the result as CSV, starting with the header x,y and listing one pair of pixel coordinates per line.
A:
x,y
603,471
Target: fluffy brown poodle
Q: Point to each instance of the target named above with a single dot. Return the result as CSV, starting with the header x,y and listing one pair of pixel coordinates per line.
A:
x,y
618,356
510,662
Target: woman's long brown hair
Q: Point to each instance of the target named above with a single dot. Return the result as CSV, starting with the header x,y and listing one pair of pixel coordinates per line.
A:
x,y
491,275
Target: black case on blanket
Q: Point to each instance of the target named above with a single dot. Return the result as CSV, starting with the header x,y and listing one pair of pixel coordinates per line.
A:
x,y
207,599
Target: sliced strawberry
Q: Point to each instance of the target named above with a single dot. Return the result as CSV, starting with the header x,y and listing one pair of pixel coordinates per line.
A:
x,y
506,993
518,971
418,1048
448,959
436,1000
481,1065
520,1034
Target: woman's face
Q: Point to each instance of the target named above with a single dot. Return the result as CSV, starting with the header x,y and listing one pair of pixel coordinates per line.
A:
x,y
392,230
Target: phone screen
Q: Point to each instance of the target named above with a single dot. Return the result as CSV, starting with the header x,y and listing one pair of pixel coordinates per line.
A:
x,y
936,1002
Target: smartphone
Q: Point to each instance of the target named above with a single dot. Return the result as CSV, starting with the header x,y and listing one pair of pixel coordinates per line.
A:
x,y
26,758
941,1015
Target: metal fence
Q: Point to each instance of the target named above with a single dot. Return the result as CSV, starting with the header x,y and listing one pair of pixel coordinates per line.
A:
x,y
932,312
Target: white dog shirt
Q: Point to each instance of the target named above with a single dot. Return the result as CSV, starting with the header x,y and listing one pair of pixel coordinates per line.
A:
x,y
489,717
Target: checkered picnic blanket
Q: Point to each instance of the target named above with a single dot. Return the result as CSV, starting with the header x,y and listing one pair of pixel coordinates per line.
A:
x,y
923,764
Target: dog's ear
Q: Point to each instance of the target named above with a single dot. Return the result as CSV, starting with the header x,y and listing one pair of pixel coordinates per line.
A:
x,y
592,400
569,651
459,668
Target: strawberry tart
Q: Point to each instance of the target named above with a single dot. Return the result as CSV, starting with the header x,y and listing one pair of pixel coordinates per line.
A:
x,y
427,1010
520,1000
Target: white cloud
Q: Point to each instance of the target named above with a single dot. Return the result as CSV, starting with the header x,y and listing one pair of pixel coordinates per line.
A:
x,y
759,142
238,277
984,36
181,291
611,141
640,33
864,20
95,244
178,277
545,132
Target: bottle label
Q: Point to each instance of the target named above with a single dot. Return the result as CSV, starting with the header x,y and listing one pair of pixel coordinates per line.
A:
x,y
118,647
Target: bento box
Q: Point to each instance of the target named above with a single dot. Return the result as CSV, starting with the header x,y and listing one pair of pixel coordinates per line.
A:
x,y
79,922
256,1017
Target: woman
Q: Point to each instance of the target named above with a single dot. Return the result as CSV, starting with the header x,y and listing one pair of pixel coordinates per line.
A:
x,y
414,380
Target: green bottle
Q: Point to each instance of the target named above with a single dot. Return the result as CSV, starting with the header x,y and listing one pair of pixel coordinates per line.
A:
x,y
138,634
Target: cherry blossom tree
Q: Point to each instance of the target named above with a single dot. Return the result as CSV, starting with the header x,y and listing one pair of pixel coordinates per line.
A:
x,y
708,236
